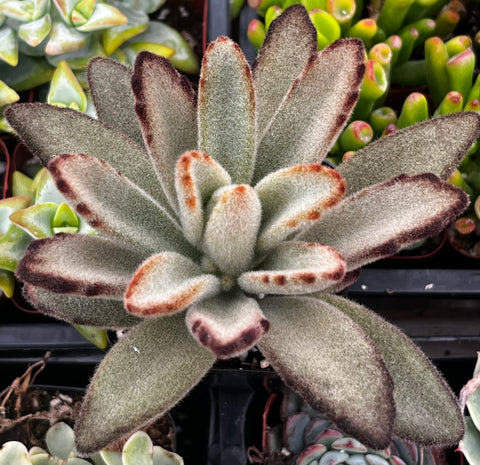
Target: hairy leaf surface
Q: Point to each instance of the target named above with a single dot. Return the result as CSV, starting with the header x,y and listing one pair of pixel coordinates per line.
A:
x,y
380,220
110,85
290,41
295,268
165,105
435,146
157,363
329,360
111,203
227,325
427,410
315,109
226,109
79,264
167,283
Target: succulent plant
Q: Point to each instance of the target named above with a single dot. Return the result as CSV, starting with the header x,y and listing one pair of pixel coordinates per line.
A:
x,y
306,436
60,441
470,397
219,229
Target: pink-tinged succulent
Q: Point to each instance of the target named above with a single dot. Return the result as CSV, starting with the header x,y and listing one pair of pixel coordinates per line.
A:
x,y
218,205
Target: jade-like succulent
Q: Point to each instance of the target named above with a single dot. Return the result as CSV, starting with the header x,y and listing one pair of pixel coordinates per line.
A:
x,y
60,441
470,397
305,436
219,229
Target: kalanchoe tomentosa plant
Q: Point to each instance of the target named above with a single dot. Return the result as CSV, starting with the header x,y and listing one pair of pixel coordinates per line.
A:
x,y
217,205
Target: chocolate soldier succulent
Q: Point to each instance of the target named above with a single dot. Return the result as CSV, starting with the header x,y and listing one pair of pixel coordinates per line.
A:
x,y
219,229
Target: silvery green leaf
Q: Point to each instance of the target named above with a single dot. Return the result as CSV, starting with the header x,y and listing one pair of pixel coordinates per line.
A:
x,y
294,198
99,312
79,264
34,32
165,106
112,204
292,37
14,452
468,446
110,87
149,6
43,127
197,176
104,16
473,395
382,219
234,215
165,457
65,8
227,325
8,47
15,9
295,268
64,39
111,457
7,207
312,345
315,109
60,440
12,247
435,146
419,389
75,461
138,450
155,374
226,109
36,220
167,283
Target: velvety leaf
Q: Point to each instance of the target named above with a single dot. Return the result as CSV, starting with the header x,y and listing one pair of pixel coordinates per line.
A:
x,y
380,220
293,38
349,278
110,85
44,129
157,363
79,310
295,268
227,325
197,177
315,109
78,264
165,105
167,283
324,356
293,198
427,410
435,146
234,215
226,109
110,203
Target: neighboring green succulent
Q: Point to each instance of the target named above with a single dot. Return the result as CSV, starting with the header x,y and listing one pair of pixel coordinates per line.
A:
x,y
305,436
217,205
470,397
60,441
35,35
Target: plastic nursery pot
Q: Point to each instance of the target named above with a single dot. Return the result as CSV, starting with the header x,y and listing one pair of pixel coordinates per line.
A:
x,y
466,244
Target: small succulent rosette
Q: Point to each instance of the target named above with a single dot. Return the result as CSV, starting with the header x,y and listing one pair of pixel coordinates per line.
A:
x,y
220,229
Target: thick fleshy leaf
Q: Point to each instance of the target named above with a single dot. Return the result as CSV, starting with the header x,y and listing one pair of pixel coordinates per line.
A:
x,y
165,105
380,220
227,325
349,278
14,452
295,268
111,203
293,38
80,310
138,450
79,264
328,359
226,109
197,177
43,128
427,410
468,446
293,198
167,283
435,146
65,39
110,85
315,109
234,214
157,363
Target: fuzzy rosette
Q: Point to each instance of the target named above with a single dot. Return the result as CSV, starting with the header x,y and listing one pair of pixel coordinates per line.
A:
x,y
218,228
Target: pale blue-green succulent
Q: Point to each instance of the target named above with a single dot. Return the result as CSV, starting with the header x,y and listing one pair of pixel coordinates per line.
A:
x,y
60,441
218,205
